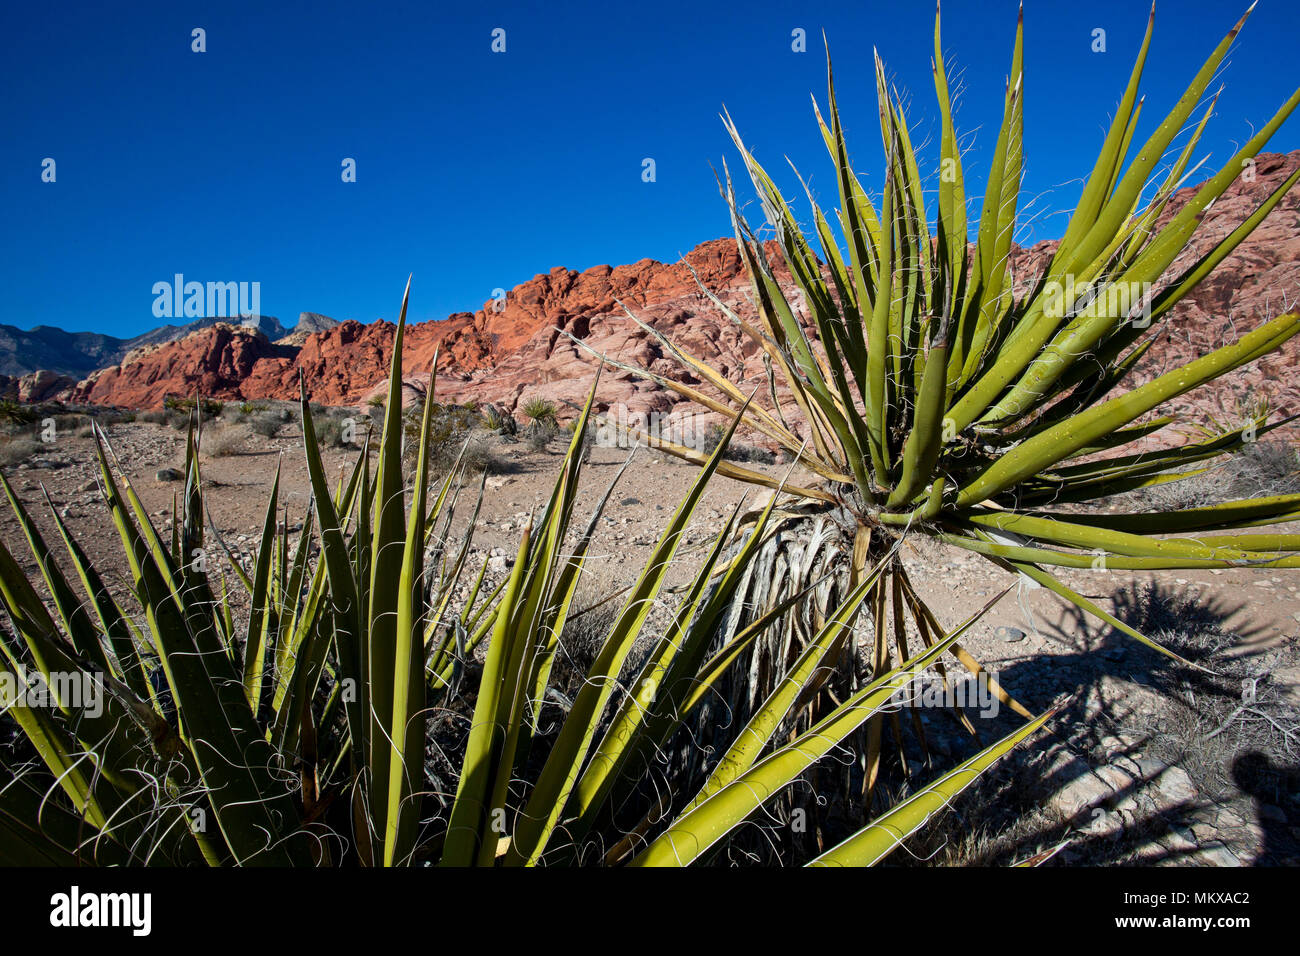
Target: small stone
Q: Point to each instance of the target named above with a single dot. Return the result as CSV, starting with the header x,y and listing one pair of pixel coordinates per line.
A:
x,y
1183,834
1009,634
1171,783
1216,854
169,474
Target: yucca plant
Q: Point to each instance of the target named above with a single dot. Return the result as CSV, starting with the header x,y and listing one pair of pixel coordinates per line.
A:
x,y
540,413
297,732
931,396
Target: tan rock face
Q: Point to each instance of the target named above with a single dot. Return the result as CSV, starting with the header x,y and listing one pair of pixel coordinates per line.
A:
x,y
35,386
512,351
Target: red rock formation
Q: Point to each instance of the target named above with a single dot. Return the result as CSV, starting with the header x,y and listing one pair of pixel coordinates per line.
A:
x,y
513,351
211,362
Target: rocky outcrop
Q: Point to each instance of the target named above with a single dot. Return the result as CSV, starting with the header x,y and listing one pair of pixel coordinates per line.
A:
x,y
35,387
314,322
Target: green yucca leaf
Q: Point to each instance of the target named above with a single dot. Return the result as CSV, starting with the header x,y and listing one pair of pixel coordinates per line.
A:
x,y
72,613
386,553
555,782
1053,444
471,825
345,602
696,831
256,651
122,634
875,841
254,812
405,728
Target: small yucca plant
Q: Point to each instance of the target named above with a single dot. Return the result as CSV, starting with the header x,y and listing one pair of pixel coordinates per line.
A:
x,y
539,412
930,398
312,730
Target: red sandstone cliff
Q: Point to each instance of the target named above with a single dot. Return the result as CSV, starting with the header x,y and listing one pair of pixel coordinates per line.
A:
x,y
516,353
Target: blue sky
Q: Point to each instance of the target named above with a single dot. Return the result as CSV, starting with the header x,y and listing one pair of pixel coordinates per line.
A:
x,y
478,170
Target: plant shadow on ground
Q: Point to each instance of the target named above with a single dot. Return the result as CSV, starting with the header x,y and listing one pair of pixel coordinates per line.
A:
x,y
1150,761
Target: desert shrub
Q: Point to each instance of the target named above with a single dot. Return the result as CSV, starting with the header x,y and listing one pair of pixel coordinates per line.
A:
x,y
1233,708
736,451
594,610
339,431
749,453
155,417
1265,468
450,428
1258,470
210,406
245,411
498,420
224,442
480,455
17,448
15,413
266,423
539,436
79,425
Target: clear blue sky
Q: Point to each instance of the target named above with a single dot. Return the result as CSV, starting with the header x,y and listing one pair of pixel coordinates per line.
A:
x,y
478,170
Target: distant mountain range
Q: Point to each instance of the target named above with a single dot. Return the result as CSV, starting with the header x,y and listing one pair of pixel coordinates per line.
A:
x,y
77,354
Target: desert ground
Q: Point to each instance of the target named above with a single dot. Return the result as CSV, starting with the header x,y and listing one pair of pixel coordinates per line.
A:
x,y
1150,762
